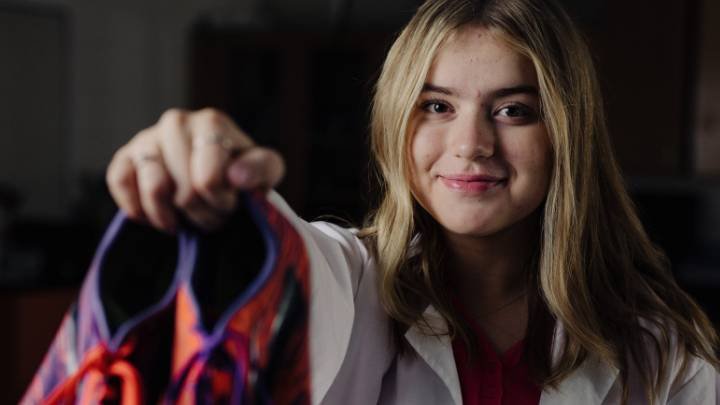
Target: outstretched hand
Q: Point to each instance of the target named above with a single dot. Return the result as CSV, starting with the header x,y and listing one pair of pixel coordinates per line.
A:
x,y
189,162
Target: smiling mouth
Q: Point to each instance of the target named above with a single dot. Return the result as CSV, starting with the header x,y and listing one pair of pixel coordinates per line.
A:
x,y
472,184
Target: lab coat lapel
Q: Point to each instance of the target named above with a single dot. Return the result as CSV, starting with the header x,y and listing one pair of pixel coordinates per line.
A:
x,y
589,384
437,352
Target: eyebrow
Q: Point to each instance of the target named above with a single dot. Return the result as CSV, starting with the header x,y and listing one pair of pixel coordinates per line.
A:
x,y
499,93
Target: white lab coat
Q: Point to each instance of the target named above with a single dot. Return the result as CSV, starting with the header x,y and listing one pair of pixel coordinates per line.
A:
x,y
353,360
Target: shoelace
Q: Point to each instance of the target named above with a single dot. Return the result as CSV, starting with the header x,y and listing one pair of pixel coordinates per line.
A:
x,y
99,365
185,388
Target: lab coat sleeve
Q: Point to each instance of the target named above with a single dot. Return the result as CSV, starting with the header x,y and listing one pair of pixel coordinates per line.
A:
x,y
346,323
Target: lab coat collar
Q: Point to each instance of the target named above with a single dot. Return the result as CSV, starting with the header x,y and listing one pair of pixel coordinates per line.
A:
x,y
437,351
589,384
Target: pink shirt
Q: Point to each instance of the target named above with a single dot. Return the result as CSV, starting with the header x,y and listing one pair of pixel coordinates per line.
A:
x,y
491,378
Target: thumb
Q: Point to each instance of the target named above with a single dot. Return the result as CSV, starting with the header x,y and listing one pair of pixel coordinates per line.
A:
x,y
258,167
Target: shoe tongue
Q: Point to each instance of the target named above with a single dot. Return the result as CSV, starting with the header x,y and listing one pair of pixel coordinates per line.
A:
x,y
227,262
137,270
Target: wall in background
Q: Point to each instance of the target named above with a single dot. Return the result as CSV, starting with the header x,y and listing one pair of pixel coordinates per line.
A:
x,y
127,63
707,119
33,96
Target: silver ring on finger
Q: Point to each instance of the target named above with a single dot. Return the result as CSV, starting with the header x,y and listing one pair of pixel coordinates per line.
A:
x,y
147,158
225,142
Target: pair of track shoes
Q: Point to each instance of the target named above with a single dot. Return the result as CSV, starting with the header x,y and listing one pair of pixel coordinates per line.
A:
x,y
196,318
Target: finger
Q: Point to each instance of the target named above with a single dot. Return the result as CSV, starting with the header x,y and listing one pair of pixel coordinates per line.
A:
x,y
122,183
214,141
174,144
175,140
155,186
225,125
257,168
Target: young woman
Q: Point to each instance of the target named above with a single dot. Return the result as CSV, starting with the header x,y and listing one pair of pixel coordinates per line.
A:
x,y
505,262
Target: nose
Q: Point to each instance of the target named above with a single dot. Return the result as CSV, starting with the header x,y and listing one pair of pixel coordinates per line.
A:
x,y
474,137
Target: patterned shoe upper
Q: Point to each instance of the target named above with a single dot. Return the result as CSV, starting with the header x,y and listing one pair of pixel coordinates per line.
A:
x,y
242,314
114,344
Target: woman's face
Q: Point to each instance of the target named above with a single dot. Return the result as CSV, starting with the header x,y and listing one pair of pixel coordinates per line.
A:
x,y
481,157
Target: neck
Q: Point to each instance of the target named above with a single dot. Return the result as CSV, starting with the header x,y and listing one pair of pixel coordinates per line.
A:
x,y
488,272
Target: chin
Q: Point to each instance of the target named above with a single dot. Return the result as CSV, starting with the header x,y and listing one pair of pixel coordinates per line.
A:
x,y
470,228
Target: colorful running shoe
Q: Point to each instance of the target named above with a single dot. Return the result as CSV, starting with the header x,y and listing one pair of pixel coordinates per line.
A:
x,y
201,318
114,346
241,330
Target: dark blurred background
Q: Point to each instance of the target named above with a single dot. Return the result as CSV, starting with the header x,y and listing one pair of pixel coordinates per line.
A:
x,y
79,77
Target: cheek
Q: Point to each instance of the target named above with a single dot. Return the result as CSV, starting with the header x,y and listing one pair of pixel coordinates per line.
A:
x,y
425,149
529,155
424,153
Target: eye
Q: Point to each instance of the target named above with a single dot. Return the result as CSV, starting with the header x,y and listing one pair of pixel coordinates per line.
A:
x,y
516,113
514,110
436,107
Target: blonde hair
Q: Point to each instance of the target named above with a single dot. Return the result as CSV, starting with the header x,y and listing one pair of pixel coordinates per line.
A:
x,y
595,269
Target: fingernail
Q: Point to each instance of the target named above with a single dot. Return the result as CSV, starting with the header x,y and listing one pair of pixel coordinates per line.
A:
x,y
239,175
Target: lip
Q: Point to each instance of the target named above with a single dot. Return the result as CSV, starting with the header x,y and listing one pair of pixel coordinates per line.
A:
x,y
472,183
